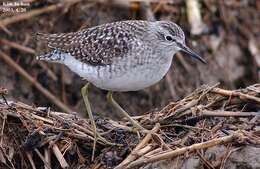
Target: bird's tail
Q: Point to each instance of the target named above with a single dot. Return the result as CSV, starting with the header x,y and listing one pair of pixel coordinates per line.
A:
x,y
54,56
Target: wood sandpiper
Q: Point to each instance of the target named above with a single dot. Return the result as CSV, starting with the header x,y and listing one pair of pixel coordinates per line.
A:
x,y
120,56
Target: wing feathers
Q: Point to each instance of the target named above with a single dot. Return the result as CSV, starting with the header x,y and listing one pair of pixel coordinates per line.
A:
x,y
98,45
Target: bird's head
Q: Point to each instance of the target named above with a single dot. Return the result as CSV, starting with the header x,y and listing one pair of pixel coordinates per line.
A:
x,y
172,38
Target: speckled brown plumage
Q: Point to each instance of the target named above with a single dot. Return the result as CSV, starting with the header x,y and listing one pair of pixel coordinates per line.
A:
x,y
98,45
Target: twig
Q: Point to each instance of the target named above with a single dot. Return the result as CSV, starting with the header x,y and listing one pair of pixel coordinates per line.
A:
x,y
155,151
89,134
47,157
42,119
59,156
180,151
6,30
29,156
205,160
31,51
158,7
46,164
222,113
49,72
225,156
146,12
2,130
121,126
194,17
132,156
229,93
180,110
185,126
17,46
254,88
36,84
186,66
170,85
80,136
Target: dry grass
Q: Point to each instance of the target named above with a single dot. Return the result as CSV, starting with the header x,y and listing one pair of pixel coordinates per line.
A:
x,y
207,117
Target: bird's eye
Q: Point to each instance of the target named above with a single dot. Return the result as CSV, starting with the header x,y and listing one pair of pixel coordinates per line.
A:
x,y
169,38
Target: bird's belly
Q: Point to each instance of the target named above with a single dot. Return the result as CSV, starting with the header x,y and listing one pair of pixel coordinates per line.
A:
x,y
112,78
134,79
130,81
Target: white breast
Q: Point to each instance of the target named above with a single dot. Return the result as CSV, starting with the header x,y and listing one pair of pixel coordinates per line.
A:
x,y
83,70
136,78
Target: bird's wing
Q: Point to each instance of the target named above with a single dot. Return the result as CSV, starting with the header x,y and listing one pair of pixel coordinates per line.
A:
x,y
97,45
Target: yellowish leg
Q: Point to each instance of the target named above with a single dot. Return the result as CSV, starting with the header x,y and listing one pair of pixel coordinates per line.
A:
x,y
123,112
84,92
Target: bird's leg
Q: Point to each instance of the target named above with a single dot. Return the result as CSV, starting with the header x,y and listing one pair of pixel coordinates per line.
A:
x,y
123,112
84,92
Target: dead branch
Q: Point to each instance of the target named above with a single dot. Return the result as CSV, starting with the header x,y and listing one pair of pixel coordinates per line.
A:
x,y
177,152
229,93
132,156
59,131
36,84
221,113
31,51
59,156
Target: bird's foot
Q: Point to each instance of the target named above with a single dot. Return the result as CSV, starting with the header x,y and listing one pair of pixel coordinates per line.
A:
x,y
102,139
136,126
97,136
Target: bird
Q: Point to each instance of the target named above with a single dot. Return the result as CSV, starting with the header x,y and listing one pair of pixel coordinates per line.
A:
x,y
120,56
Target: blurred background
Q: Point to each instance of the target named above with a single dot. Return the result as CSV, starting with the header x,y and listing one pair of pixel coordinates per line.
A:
x,y
225,32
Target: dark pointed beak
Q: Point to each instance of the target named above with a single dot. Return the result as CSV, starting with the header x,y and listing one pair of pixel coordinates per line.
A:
x,y
187,50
